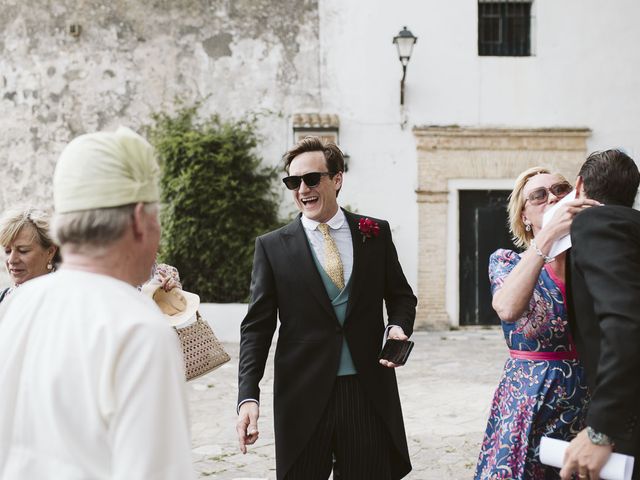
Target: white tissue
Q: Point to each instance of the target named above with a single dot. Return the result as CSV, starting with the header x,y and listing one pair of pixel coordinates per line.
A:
x,y
563,243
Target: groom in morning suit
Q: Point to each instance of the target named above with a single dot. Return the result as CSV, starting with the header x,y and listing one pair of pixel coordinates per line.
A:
x,y
335,404
604,311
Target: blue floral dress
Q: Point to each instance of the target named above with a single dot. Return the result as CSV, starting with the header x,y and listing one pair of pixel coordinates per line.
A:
x,y
534,398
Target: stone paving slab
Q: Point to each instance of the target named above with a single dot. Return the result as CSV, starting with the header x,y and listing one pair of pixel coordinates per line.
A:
x,y
446,390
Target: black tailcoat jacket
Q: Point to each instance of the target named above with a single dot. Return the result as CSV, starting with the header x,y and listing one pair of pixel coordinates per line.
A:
x,y
285,282
604,311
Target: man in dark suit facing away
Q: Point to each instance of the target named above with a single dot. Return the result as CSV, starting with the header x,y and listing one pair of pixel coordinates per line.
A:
x,y
604,309
326,275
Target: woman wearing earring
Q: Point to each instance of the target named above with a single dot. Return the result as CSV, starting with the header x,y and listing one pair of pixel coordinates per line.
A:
x,y
542,391
28,248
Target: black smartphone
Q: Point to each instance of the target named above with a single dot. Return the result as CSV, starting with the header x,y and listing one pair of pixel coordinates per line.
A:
x,y
396,351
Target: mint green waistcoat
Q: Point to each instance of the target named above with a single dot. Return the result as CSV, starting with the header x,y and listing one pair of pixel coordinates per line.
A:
x,y
339,300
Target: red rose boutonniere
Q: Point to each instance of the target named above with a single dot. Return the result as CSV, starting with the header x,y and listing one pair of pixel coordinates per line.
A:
x,y
368,228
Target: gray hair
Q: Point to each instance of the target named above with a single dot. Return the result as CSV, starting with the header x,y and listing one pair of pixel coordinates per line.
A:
x,y
90,231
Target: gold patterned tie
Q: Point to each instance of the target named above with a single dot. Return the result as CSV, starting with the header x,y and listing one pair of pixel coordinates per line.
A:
x,y
332,263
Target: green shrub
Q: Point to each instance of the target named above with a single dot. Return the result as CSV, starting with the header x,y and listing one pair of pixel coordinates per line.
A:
x,y
216,198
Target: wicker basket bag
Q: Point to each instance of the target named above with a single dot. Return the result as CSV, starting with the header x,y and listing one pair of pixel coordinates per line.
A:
x,y
202,351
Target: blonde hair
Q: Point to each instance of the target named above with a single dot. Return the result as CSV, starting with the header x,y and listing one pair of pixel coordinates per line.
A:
x,y
521,237
14,220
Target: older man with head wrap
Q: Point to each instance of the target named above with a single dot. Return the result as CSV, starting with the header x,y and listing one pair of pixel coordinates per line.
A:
x,y
91,376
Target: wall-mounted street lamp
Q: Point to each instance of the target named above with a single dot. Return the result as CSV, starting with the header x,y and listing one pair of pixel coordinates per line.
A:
x,y
405,40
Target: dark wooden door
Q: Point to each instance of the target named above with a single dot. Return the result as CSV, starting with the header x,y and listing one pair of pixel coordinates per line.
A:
x,y
483,229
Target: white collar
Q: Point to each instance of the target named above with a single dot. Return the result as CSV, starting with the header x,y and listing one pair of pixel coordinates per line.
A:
x,y
335,222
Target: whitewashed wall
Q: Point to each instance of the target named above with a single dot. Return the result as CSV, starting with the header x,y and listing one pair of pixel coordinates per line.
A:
x,y
585,73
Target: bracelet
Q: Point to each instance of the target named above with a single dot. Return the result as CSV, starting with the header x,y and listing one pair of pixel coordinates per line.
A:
x,y
546,258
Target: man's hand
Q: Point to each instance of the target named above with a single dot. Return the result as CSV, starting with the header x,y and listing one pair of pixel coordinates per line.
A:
x,y
584,458
247,426
396,333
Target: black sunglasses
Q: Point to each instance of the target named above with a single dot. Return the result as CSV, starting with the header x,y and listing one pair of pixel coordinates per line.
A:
x,y
541,195
311,180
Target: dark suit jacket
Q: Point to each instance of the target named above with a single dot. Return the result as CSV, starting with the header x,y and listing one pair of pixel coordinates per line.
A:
x,y
285,281
604,312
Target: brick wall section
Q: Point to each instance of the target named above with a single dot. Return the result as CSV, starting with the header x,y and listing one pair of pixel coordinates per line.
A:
x,y
446,153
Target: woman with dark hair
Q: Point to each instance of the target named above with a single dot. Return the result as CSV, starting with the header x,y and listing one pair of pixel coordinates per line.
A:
x,y
27,245
543,391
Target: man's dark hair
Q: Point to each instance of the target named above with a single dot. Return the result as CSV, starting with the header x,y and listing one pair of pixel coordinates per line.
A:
x,y
610,177
332,154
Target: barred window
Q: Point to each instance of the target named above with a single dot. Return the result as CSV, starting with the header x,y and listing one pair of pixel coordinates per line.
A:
x,y
504,28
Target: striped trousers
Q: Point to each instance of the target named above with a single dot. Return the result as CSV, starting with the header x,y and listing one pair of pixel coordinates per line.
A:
x,y
350,438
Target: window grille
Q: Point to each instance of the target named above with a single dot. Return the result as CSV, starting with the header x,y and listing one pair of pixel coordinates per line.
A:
x,y
504,28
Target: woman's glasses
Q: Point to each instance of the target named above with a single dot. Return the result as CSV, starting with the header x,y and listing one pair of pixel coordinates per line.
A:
x,y
311,180
541,195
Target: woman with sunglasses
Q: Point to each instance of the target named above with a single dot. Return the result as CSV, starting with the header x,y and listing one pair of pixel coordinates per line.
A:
x,y
543,391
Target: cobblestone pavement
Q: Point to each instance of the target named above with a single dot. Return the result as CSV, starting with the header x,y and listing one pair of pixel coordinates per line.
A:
x,y
446,389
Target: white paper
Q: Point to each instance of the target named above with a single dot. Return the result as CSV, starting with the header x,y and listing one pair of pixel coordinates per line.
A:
x,y
618,467
563,243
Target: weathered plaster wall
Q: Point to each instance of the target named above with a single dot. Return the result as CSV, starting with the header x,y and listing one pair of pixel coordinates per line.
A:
x,y
136,57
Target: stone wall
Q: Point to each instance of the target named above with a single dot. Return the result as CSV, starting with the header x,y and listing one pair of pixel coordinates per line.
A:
x,y
133,58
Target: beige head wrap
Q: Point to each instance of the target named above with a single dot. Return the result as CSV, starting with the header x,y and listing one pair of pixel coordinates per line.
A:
x,y
105,169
